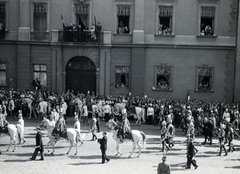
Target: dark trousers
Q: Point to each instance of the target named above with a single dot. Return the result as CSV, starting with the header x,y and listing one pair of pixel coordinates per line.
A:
x,y
206,138
104,156
191,161
222,147
97,124
164,145
36,152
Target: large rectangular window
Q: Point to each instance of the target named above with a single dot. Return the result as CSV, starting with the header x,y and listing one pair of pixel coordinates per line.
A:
x,y
163,77
205,78
122,77
40,72
3,74
82,14
165,20
40,17
123,16
2,19
207,21
2,15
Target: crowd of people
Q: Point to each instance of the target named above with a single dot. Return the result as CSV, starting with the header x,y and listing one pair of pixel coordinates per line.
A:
x,y
195,118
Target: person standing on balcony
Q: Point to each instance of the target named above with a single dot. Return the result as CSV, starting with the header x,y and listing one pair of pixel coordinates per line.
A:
x,y
98,31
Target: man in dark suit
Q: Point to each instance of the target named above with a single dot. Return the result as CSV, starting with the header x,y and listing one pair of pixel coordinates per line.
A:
x,y
103,147
39,146
191,151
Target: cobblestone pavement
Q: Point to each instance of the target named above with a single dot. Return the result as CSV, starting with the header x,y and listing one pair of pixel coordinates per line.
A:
x,y
88,159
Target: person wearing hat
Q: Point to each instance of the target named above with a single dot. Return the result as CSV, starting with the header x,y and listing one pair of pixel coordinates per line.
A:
x,y
93,128
221,136
103,147
164,136
60,127
150,113
20,128
11,106
125,127
163,168
107,110
39,146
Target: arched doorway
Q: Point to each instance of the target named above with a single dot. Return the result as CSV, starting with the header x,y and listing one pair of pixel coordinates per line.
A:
x,y
81,75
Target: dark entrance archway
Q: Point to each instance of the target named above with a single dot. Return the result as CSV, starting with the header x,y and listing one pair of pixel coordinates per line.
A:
x,y
81,75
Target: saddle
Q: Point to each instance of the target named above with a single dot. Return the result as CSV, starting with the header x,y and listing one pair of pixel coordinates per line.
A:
x,y
4,130
128,135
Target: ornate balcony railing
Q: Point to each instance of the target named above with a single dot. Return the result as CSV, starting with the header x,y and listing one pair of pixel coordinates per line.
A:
x,y
80,36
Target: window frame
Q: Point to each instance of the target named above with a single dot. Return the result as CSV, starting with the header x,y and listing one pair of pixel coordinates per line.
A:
x,y
6,73
6,13
214,30
89,18
40,71
122,66
47,11
158,19
205,66
163,65
130,17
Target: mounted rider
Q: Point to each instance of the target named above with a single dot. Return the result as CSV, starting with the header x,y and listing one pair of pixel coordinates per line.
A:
x,y
60,127
125,128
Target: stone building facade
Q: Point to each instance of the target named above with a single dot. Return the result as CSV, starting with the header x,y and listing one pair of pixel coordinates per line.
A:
x,y
163,48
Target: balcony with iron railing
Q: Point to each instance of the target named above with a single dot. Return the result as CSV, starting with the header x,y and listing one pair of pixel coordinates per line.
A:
x,y
80,36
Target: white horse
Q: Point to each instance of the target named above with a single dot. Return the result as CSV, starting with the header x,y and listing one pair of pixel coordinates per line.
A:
x,y
29,102
10,130
71,135
136,136
138,113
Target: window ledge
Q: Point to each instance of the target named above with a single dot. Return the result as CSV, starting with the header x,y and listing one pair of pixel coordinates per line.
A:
x,y
205,91
46,32
200,36
4,85
163,90
164,35
125,34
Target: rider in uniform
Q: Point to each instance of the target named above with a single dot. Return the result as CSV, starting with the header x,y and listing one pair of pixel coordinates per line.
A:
x,y
125,127
60,126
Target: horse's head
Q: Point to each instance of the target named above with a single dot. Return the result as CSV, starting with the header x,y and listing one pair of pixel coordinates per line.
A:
x,y
43,124
112,125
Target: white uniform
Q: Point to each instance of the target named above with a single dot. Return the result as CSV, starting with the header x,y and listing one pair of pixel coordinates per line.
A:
x,y
20,128
77,128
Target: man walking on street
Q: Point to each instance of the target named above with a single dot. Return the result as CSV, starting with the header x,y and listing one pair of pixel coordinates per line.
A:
x,y
103,147
39,146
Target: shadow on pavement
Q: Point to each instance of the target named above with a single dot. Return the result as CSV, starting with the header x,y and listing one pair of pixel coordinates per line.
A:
x,y
233,167
86,163
179,166
16,161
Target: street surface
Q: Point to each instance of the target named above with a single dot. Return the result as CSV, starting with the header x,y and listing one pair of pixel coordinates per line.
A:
x,y
88,159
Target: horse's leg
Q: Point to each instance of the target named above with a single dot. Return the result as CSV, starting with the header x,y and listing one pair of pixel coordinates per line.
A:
x,y
117,148
139,147
30,112
71,145
76,148
53,145
134,147
48,145
10,145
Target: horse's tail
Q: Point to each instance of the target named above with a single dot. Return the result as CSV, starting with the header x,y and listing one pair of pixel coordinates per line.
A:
x,y
143,138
